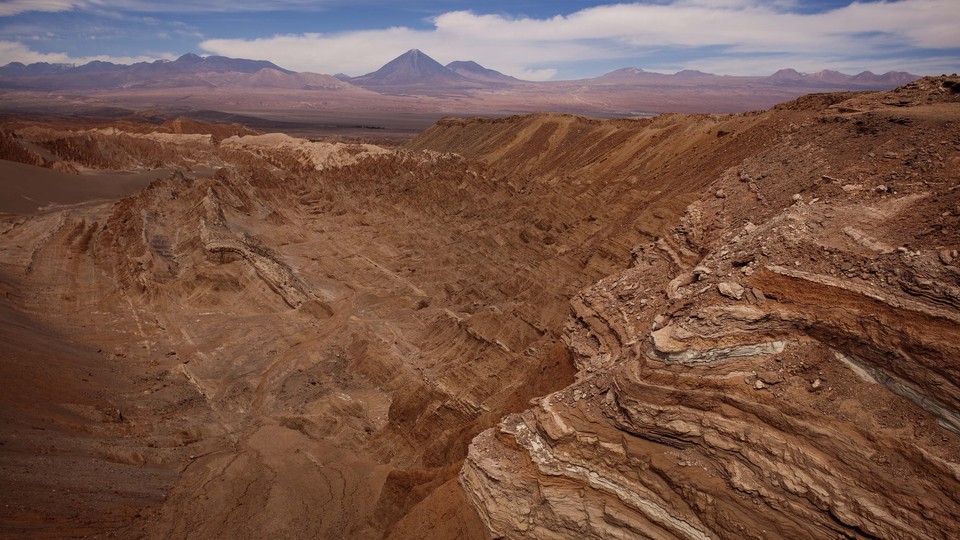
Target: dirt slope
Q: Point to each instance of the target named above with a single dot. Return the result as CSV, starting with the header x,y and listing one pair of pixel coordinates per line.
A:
x,y
302,339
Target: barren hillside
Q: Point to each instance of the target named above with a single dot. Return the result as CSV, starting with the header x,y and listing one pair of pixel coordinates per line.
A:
x,y
689,326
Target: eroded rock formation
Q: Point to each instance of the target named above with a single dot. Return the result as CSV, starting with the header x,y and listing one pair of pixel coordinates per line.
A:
x,y
797,378
739,326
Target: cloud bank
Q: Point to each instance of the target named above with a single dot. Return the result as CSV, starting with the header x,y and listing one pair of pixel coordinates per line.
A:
x,y
745,37
15,7
12,51
735,37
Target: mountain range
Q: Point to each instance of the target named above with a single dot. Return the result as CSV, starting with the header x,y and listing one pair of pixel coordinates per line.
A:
x,y
461,84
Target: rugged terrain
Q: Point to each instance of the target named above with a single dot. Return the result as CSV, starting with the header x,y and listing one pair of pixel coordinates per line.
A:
x,y
733,326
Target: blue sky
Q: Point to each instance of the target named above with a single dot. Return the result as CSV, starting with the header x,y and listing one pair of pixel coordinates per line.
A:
x,y
531,39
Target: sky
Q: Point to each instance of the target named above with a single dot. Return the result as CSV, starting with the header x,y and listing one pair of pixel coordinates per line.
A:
x,y
529,39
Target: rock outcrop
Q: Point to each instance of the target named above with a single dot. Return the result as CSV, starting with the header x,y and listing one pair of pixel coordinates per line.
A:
x,y
801,383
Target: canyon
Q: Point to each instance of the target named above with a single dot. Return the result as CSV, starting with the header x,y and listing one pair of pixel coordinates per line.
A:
x,y
536,326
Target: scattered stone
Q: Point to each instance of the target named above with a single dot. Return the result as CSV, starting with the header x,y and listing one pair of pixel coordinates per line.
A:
x,y
816,384
891,155
701,271
742,258
755,296
659,321
721,194
797,197
749,227
731,289
769,377
947,256
882,188
758,385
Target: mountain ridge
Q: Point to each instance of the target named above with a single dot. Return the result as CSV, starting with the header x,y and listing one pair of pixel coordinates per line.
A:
x,y
413,67
414,70
461,86
473,70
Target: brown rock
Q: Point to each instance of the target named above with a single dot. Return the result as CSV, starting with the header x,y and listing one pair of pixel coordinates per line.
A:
x,y
947,256
756,296
731,289
770,377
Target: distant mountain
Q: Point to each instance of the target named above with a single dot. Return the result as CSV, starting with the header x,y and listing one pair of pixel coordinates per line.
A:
x,y
693,73
787,75
632,74
835,79
273,78
460,85
830,76
188,70
890,78
414,71
191,63
475,71
625,75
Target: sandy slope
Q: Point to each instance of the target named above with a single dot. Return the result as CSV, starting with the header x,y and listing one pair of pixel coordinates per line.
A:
x,y
27,189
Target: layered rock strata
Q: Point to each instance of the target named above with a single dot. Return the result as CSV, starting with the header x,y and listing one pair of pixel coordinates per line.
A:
x,y
794,375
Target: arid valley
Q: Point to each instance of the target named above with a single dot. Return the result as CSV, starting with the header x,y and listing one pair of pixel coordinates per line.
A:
x,y
546,325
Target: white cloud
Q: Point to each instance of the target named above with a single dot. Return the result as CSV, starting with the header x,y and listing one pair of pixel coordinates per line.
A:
x,y
14,7
12,51
364,51
749,30
723,36
535,74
